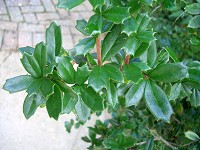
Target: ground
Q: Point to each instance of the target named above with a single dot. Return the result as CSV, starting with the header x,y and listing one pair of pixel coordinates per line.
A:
x,y
23,23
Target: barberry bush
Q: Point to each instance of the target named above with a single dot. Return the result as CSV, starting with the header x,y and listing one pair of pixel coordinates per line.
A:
x,y
138,62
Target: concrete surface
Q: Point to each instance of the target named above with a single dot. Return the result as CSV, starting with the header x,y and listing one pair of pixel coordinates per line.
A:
x,y
22,23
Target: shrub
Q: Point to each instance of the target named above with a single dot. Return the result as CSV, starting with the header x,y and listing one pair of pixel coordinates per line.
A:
x,y
141,78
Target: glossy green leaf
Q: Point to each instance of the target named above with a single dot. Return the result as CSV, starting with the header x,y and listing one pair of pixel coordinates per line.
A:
x,y
131,45
107,25
54,104
175,91
92,99
46,88
69,4
141,49
96,3
149,2
162,58
157,102
135,93
130,26
98,79
192,136
170,72
194,22
53,41
29,106
70,99
81,26
82,74
193,8
82,110
95,25
172,54
132,72
85,45
146,36
143,22
142,66
65,69
194,74
113,72
195,98
31,65
18,83
117,14
27,49
34,88
112,94
150,144
110,39
40,55
117,46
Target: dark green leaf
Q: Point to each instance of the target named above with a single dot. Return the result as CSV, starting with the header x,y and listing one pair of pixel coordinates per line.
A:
x,y
117,14
82,110
132,72
70,99
27,49
194,22
95,24
53,41
113,72
195,98
84,46
65,69
150,143
193,8
92,99
110,39
40,55
141,49
146,36
34,88
81,26
54,104
157,102
98,79
194,74
144,22
47,87
18,83
29,106
149,2
69,4
162,58
175,91
131,45
170,72
135,93
130,26
31,65
112,94
172,54
82,74
96,3
117,46
192,136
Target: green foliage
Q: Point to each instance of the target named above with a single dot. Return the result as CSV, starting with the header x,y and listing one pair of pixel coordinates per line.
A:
x,y
145,73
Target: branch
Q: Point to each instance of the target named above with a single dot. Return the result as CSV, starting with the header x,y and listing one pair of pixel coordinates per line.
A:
x,y
127,59
98,46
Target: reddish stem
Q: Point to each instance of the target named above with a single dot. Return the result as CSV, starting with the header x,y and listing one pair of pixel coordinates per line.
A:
x,y
98,46
127,59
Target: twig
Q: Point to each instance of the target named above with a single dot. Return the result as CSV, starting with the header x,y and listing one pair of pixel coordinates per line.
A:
x,y
98,46
127,59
